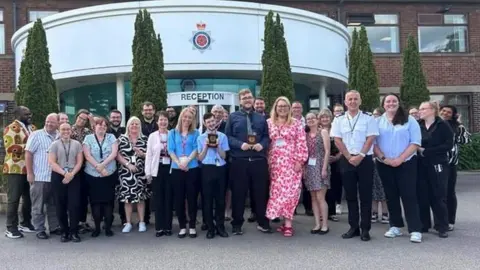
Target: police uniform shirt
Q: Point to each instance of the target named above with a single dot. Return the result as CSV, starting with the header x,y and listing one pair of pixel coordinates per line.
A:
x,y
354,130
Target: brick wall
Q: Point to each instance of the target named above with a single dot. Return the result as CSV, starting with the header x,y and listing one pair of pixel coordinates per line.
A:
x,y
476,112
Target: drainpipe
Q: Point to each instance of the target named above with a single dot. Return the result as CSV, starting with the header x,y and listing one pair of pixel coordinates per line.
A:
x,y
14,8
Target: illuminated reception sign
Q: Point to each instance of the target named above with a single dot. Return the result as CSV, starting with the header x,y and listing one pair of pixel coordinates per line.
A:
x,y
202,98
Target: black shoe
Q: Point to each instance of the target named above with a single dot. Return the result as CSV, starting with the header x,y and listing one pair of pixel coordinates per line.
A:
x,y
351,233
108,232
13,234
210,234
322,232
65,238
309,212
237,231
159,233
204,227
313,231
84,228
75,238
365,236
264,229
168,232
42,235
57,231
276,220
252,218
26,228
182,235
443,234
95,233
221,232
192,233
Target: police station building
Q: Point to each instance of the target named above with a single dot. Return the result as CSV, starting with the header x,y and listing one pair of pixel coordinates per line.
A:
x,y
212,49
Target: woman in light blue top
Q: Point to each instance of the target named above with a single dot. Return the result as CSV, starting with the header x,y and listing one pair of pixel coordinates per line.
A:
x,y
395,149
100,150
182,147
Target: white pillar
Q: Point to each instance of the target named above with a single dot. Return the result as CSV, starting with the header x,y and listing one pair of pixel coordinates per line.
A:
x,y
322,97
121,96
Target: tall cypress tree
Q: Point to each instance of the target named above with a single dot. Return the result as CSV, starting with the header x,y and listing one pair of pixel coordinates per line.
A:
x,y
413,89
268,59
36,79
148,81
352,59
366,75
285,79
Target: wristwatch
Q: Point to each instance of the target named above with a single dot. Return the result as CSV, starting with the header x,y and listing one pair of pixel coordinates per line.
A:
x,y
382,158
361,154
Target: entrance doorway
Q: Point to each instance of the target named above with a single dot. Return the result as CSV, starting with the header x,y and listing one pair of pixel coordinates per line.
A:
x,y
204,101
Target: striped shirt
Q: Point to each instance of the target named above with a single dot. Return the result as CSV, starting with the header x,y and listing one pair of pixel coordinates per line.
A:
x,y
38,144
462,136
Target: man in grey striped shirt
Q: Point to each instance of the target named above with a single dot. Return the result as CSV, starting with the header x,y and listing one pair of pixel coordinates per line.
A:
x,y
39,173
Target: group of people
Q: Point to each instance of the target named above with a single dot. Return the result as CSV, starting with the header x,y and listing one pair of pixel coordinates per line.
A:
x,y
62,168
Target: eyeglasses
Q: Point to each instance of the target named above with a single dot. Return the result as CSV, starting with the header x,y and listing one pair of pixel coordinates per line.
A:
x,y
283,106
246,98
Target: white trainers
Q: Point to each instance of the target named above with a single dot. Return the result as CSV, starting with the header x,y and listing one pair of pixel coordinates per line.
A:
x,y
127,228
451,227
339,209
393,232
142,227
416,237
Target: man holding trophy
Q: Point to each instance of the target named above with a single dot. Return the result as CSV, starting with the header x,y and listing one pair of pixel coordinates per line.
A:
x,y
212,148
248,138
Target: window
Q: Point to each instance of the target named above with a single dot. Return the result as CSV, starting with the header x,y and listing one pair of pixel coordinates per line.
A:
x,y
442,33
382,31
34,15
2,33
461,101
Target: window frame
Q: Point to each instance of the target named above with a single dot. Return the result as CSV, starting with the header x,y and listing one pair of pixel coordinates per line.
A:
x,y
39,10
443,24
2,22
397,25
469,106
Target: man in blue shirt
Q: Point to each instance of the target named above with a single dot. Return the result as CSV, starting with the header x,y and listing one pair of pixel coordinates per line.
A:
x,y
247,133
212,148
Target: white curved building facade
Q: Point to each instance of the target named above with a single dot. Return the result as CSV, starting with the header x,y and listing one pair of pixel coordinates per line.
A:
x,y
209,46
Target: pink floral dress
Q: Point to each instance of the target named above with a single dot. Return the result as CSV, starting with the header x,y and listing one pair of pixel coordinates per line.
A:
x,y
288,146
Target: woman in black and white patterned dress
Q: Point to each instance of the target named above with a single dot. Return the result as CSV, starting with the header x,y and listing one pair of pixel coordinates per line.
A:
x,y
133,188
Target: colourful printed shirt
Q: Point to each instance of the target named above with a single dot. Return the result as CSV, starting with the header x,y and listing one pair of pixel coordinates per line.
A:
x,y
15,138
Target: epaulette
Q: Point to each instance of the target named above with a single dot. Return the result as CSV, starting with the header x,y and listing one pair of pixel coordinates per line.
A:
x,y
342,114
367,113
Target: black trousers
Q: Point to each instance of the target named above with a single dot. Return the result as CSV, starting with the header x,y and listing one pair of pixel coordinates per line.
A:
x,y
451,194
401,182
102,211
83,197
358,180
18,187
334,194
432,192
163,198
245,173
213,194
185,187
67,202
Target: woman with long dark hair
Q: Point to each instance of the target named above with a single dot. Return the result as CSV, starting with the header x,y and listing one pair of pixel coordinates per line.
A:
x,y
449,114
396,153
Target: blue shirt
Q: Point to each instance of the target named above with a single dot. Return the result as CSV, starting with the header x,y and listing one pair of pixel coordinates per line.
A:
x,y
212,153
94,148
393,140
183,146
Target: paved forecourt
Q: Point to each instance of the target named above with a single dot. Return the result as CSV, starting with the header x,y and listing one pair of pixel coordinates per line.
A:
x,y
260,251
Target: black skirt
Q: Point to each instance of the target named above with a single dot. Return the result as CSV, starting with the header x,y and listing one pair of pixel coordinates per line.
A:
x,y
101,189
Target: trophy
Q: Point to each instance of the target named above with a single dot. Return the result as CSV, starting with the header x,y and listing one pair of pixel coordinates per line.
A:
x,y
252,139
212,140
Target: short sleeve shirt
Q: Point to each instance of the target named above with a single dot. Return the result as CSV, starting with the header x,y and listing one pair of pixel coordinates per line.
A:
x,y
212,156
94,147
66,153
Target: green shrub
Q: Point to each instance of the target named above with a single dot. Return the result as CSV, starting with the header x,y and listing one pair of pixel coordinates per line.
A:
x,y
470,154
3,182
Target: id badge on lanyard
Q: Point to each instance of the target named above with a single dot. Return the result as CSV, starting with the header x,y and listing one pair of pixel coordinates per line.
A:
x,y
312,161
165,160
280,142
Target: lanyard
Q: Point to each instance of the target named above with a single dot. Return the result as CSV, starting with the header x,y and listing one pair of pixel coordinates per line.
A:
x,y
164,143
184,143
67,153
352,128
100,146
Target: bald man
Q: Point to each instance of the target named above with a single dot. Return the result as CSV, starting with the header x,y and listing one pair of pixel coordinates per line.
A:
x,y
38,175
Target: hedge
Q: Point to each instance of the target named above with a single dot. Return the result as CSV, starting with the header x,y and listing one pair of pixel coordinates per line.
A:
x,y
470,154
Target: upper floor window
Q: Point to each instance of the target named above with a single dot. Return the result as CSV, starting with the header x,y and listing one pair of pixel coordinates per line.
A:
x,y
34,15
442,33
382,31
2,33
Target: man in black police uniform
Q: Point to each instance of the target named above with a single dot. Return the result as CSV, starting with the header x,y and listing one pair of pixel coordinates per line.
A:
x,y
247,133
354,133
149,125
115,128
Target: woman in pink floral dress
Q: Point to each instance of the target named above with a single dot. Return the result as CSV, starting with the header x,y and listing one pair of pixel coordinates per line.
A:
x,y
287,155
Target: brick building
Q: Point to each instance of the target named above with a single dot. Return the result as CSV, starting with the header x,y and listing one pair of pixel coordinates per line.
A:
x,y
448,33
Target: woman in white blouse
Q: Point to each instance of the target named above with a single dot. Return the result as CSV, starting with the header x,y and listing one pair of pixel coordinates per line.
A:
x,y
157,170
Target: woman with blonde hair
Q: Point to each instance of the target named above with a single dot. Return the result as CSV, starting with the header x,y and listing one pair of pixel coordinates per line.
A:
x,y
133,189
182,148
317,172
286,157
